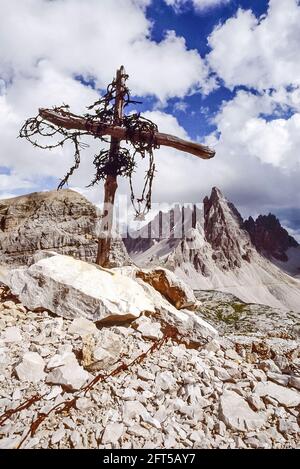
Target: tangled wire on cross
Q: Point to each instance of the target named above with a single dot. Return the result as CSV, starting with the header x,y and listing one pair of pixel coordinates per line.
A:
x,y
122,162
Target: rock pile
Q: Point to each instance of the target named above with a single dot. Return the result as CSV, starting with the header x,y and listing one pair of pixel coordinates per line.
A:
x,y
217,394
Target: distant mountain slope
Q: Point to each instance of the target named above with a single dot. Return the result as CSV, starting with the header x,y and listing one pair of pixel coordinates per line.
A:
x,y
218,254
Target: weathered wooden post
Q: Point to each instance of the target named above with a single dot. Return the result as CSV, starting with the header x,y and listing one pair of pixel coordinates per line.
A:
x,y
111,185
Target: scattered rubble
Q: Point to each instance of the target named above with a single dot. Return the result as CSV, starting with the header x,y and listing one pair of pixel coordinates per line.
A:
x,y
229,391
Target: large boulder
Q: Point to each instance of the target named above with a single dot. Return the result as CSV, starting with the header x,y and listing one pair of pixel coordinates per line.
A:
x,y
75,289
170,286
72,288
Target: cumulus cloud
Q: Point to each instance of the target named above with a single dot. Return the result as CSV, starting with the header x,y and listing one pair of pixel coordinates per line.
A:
x,y
249,124
92,39
46,45
21,100
261,152
199,5
260,52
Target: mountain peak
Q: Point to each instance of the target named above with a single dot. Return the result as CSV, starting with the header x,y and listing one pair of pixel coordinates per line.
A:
x,y
269,237
224,232
215,196
216,193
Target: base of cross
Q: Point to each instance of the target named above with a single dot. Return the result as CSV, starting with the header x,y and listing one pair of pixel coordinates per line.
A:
x,y
112,253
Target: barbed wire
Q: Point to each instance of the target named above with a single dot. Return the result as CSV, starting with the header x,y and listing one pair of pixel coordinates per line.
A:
x,y
120,162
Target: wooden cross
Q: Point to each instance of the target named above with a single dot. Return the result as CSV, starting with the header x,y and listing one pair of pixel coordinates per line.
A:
x,y
117,132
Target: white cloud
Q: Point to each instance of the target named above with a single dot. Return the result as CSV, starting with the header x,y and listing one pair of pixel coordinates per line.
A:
x,y
6,180
181,106
248,125
45,44
259,52
199,5
92,39
22,100
259,150
256,162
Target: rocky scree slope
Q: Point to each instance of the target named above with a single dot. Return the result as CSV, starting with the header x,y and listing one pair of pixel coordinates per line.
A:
x,y
232,391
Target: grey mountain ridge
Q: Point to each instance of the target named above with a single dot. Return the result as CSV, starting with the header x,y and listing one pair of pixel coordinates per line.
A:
x,y
219,254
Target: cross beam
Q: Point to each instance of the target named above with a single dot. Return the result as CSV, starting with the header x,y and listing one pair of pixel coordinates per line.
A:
x,y
73,122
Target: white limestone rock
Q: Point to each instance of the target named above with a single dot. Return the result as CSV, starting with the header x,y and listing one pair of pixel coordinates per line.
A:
x,y
55,391
31,368
285,396
233,355
278,378
213,346
112,433
71,376
82,327
237,415
16,395
72,288
150,330
61,359
165,380
57,436
294,382
256,402
84,404
11,334
133,409
146,417
9,443
75,289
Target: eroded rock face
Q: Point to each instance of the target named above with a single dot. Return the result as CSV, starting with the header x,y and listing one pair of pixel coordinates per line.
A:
x,y
171,287
269,237
218,254
62,221
223,230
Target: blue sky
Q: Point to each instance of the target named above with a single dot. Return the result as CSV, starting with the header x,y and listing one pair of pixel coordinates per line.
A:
x,y
223,72
195,28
